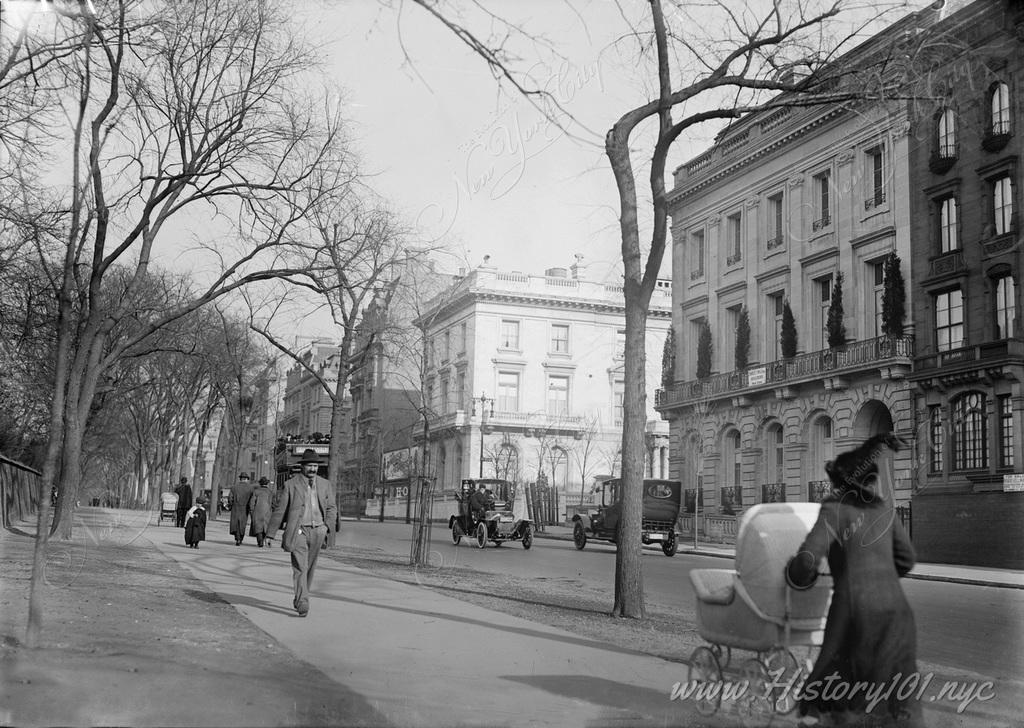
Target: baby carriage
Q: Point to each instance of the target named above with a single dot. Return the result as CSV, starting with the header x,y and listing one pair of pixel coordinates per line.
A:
x,y
752,608
168,507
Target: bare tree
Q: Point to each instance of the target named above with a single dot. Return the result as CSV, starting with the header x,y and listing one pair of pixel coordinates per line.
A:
x,y
169,109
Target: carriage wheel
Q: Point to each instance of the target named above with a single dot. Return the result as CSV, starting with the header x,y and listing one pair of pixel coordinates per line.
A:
x,y
723,661
756,706
481,535
784,668
527,536
456,533
705,669
579,535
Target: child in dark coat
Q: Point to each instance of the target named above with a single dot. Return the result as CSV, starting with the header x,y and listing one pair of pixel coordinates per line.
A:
x,y
195,523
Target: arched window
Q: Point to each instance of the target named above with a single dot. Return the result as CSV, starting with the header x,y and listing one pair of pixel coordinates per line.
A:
x,y
821,451
776,457
559,462
459,473
946,134
970,436
1000,109
732,472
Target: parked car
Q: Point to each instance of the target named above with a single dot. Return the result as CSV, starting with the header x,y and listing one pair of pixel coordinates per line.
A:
x,y
662,500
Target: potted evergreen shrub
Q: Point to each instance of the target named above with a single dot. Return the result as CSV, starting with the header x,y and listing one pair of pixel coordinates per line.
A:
x,y
668,360
835,326
743,340
894,303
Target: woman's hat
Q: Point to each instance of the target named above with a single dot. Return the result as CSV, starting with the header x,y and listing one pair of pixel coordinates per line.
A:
x,y
264,480
243,476
201,500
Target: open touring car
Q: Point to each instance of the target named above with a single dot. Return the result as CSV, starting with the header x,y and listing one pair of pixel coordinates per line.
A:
x,y
503,517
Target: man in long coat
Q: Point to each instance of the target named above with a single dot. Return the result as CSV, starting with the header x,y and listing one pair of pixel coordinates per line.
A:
x,y
184,491
260,508
306,507
239,504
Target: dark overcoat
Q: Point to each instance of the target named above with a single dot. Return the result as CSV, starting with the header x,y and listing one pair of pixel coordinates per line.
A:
x,y
184,492
240,493
260,507
870,634
195,525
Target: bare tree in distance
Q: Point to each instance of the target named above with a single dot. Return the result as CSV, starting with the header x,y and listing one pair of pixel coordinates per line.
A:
x,y
731,63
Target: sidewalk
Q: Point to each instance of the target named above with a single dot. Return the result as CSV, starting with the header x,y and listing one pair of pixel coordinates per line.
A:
x,y
973,575
420,658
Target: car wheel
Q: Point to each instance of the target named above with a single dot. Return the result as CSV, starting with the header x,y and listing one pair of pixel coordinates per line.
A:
x,y
481,535
579,536
527,536
671,545
456,533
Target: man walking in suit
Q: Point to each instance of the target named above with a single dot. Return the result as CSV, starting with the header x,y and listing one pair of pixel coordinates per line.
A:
x,y
239,504
306,507
184,491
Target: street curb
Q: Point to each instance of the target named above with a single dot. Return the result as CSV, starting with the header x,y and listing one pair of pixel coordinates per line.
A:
x,y
920,577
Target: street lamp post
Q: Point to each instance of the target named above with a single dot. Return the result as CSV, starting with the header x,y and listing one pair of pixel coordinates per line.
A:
x,y
484,400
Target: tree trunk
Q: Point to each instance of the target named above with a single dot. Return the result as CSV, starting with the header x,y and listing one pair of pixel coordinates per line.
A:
x,y
347,504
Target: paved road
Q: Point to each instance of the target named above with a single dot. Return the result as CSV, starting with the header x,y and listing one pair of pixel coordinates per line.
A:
x,y
967,629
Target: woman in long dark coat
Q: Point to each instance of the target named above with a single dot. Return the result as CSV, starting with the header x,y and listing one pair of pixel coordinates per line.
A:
x,y
260,507
195,523
239,501
870,635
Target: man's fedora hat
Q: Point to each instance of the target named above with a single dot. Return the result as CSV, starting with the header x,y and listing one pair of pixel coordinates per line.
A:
x,y
309,457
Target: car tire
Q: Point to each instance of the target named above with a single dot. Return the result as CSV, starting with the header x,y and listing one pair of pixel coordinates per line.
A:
x,y
671,546
456,533
527,536
579,536
481,535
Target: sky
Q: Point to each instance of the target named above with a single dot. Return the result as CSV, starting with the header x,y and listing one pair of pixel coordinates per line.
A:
x,y
475,168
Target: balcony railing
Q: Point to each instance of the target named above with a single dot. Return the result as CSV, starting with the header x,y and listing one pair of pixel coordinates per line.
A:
x,y
731,499
775,242
876,200
773,493
857,355
818,490
1007,348
821,223
696,274
733,259
690,499
946,263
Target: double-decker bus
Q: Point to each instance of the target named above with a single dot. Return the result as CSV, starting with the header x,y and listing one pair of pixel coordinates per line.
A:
x,y
289,450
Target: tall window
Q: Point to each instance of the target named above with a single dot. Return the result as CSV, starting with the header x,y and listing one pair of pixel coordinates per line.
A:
x,y
946,133
618,394
460,390
1002,205
949,320
1005,307
1000,109
774,221
822,194
558,396
462,338
948,237
737,463
508,391
776,305
696,254
970,440
444,395
509,334
447,344
876,269
620,344
823,301
1005,431
734,238
560,338
777,456
732,321
876,177
936,438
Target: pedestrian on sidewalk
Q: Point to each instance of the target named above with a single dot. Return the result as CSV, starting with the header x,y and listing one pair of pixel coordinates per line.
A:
x,y
238,502
305,507
195,523
870,635
260,508
184,491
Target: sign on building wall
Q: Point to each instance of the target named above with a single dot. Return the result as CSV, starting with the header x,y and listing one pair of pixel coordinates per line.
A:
x,y
1013,482
399,464
758,375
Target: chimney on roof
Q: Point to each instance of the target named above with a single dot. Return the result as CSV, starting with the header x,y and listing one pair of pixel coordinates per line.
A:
x,y
579,269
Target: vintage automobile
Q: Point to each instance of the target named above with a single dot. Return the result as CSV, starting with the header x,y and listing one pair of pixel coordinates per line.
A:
x,y
504,519
662,502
